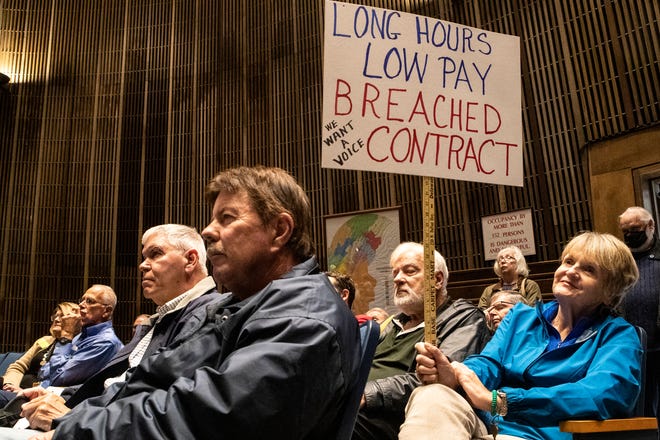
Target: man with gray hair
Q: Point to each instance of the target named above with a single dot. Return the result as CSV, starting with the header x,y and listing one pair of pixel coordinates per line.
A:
x,y
277,357
641,306
72,363
501,303
460,327
175,278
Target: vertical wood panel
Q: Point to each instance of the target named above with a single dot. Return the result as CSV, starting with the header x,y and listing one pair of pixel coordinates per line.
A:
x,y
121,111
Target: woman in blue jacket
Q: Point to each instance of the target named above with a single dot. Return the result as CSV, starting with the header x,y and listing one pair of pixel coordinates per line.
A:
x,y
568,359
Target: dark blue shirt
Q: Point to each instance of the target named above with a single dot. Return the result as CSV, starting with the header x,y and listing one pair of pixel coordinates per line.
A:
x,y
76,361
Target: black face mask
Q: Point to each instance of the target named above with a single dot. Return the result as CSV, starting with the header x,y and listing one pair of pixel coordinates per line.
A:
x,y
635,239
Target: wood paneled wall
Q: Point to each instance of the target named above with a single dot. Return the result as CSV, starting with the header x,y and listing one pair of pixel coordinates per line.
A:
x,y
119,111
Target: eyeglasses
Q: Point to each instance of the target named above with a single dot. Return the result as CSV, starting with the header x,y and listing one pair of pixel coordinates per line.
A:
x,y
506,258
501,305
89,301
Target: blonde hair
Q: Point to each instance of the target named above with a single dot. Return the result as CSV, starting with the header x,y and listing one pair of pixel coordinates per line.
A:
x,y
67,307
614,259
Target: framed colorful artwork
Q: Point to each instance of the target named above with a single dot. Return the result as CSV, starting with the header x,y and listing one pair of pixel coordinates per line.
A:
x,y
359,244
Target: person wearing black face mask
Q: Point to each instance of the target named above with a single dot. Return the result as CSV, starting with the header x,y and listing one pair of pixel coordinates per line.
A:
x,y
641,306
636,239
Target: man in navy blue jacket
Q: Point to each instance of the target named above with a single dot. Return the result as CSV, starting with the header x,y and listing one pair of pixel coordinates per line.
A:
x,y
276,358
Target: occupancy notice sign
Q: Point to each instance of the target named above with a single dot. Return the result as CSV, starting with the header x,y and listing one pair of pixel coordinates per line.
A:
x,y
409,94
514,228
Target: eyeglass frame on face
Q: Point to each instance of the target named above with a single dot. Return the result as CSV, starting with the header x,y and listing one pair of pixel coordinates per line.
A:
x,y
497,304
90,301
506,258
55,316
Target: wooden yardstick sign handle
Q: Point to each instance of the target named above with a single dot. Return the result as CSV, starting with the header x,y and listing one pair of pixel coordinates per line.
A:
x,y
428,212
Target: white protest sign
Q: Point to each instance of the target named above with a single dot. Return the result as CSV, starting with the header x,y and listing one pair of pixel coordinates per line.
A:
x,y
514,228
408,94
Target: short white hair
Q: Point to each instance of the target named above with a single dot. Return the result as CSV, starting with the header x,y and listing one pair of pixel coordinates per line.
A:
x,y
521,263
641,213
440,265
181,237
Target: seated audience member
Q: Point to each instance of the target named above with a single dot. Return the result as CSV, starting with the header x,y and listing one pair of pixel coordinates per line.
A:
x,y
92,348
142,319
276,357
377,314
175,278
641,306
500,304
461,330
65,324
567,359
72,362
345,287
511,268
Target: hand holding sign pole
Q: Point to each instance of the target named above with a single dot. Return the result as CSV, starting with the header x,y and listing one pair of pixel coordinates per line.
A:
x,y
409,94
428,212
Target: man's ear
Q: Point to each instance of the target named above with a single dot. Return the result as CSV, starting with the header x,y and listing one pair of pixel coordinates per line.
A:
x,y
439,278
283,225
108,312
193,259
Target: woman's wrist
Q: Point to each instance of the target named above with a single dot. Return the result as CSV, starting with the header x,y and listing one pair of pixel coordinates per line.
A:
x,y
498,403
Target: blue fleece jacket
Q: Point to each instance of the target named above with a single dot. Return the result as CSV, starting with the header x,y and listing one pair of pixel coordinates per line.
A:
x,y
595,377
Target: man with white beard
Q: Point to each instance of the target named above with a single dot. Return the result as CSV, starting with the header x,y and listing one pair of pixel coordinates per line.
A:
x,y
460,328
